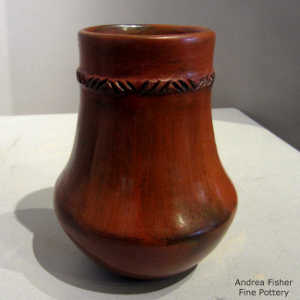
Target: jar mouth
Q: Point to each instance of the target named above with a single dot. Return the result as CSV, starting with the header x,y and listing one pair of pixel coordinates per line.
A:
x,y
144,30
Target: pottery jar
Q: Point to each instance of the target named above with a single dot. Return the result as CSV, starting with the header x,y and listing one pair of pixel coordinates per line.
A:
x,y
144,192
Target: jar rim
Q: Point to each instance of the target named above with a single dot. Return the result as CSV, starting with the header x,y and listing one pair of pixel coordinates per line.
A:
x,y
145,31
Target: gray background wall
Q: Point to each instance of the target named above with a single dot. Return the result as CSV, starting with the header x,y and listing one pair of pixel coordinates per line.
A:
x,y
256,60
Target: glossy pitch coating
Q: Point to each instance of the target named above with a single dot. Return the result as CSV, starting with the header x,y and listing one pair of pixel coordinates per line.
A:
x,y
144,192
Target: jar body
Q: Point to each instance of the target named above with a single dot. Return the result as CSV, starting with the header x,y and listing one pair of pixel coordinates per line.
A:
x,y
144,192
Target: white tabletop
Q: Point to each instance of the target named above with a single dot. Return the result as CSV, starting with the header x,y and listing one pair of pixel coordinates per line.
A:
x,y
37,260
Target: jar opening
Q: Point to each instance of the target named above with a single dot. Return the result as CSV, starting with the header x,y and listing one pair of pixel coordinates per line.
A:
x,y
145,29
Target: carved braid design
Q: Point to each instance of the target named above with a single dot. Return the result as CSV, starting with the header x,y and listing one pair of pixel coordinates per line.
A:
x,y
145,87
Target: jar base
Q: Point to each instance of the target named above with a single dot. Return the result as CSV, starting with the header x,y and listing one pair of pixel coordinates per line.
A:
x,y
174,277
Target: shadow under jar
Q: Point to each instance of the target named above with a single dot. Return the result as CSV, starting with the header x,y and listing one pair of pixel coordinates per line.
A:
x,y
144,192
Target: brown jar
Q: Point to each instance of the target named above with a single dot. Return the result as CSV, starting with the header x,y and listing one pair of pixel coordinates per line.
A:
x,y
144,192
